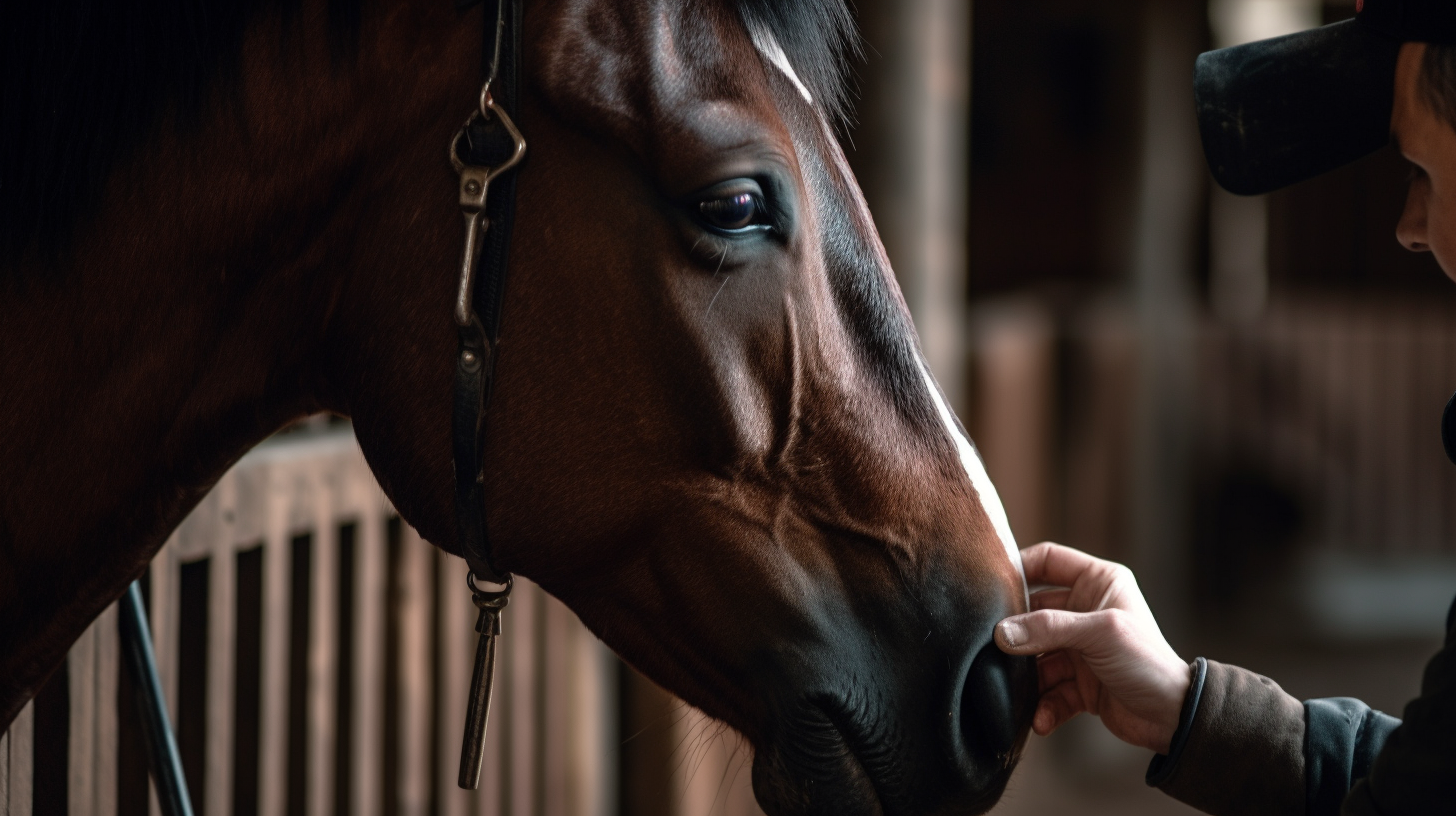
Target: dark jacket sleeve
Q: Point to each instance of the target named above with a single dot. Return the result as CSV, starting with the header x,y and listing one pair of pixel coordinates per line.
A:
x,y
1416,770
1239,748
1244,746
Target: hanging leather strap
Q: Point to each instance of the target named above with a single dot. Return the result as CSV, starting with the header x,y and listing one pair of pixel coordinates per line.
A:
x,y
486,141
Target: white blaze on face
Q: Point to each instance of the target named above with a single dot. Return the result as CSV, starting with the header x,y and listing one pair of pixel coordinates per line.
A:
x,y
976,469
769,47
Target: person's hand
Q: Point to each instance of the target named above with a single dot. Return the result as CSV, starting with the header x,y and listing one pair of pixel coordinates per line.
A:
x,y
1099,648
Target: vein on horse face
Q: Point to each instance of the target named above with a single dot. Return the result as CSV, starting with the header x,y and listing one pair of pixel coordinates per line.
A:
x,y
722,286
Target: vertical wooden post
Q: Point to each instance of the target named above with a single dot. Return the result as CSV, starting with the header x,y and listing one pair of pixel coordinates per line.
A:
x,y
20,762
915,125
416,600
81,666
273,756
1016,373
521,661
457,642
323,650
367,753
1170,201
217,793
108,678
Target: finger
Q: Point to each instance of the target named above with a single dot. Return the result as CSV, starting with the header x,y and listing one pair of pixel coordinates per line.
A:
x,y
1050,599
1054,668
1057,706
1048,630
1057,565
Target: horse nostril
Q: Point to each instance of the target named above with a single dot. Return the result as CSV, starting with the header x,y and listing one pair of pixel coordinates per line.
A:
x,y
995,706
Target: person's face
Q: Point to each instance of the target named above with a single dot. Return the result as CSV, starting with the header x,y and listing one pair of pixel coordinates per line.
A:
x,y
1429,142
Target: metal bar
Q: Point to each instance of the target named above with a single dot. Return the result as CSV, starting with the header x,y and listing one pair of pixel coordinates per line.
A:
x,y
162,755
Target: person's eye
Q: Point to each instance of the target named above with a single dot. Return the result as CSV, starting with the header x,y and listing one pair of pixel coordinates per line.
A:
x,y
734,209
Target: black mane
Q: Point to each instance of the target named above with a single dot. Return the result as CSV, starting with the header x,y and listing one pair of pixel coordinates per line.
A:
x,y
83,83
819,37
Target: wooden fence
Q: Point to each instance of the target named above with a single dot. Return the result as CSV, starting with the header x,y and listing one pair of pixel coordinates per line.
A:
x,y
1341,404
316,654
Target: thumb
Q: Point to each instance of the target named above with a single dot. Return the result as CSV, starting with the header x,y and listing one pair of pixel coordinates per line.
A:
x,y
1048,630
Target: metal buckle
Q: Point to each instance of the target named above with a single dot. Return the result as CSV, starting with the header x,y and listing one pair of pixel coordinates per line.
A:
x,y
474,191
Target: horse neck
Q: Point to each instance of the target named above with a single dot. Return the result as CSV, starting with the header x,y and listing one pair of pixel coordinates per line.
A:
x,y
187,321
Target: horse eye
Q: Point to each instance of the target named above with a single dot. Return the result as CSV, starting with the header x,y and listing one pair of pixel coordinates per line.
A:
x,y
738,212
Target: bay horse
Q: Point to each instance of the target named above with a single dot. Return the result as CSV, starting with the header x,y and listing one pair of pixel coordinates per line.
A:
x,y
714,436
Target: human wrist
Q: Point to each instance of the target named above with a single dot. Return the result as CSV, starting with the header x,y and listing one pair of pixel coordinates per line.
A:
x,y
1178,680
1166,762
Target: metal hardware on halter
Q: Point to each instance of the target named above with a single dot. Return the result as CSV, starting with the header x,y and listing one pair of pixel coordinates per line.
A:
x,y
474,192
482,678
487,146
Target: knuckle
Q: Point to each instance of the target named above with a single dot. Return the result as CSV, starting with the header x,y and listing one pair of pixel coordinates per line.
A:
x,y
1119,624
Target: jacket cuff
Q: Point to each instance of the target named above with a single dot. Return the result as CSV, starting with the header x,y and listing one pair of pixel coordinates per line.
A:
x,y
1161,768
1240,750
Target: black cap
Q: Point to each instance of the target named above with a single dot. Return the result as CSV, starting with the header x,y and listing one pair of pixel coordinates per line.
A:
x,y
1279,111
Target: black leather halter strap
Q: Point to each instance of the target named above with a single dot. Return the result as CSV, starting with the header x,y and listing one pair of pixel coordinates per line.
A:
x,y
484,152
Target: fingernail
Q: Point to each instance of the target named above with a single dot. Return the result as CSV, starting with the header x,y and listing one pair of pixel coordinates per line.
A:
x,y
1012,633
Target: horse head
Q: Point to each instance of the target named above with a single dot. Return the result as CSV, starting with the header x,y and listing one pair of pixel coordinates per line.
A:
x,y
713,433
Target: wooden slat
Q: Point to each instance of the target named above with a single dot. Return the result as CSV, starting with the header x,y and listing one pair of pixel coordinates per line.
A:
x,y
21,761
221,644
415,603
578,728
5,774
367,750
521,633
457,619
323,651
108,668
277,615
81,756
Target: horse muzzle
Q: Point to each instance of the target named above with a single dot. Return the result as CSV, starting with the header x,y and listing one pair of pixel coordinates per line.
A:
x,y
930,731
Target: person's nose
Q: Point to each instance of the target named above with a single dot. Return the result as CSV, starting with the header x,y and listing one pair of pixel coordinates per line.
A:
x,y
1411,231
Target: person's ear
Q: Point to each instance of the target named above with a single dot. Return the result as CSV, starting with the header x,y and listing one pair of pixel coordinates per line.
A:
x,y
1411,231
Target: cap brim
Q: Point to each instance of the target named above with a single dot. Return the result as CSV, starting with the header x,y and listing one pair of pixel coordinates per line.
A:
x,y
1280,111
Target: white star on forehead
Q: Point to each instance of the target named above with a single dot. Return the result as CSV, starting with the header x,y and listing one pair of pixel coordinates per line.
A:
x,y
769,47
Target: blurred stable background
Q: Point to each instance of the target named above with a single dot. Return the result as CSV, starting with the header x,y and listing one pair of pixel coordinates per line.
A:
x,y
1238,397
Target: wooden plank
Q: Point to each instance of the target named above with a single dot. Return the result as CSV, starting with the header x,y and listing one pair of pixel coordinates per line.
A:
x,y
323,651
222,627
108,669
277,615
22,761
523,649
367,749
414,609
5,774
81,754
457,639
579,717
